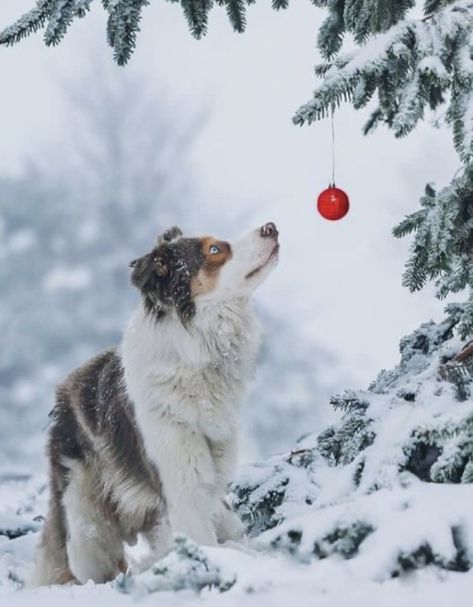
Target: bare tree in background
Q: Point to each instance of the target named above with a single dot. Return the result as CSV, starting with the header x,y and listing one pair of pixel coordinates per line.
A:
x,y
70,225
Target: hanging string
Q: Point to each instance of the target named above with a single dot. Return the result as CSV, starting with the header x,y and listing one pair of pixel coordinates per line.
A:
x,y
333,145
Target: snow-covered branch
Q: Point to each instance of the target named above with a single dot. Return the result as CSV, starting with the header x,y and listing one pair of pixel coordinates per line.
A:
x,y
412,66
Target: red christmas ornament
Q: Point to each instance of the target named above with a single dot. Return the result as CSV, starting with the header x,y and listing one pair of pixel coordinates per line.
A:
x,y
333,203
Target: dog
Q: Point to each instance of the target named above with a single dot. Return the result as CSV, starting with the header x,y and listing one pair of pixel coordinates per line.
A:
x,y
143,438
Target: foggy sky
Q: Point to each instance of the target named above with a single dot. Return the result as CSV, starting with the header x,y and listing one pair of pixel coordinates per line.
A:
x,y
343,280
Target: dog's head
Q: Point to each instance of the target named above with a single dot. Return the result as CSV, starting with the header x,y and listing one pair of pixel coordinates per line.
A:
x,y
180,271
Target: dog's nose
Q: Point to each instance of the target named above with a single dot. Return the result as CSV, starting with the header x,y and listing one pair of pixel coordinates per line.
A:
x,y
269,230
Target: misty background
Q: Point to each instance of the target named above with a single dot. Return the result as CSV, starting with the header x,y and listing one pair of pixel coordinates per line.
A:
x,y
96,160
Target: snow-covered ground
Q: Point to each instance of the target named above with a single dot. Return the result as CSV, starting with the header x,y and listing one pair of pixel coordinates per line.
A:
x,y
273,580
253,574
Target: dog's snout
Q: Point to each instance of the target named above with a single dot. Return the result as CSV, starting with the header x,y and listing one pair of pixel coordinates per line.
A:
x,y
269,230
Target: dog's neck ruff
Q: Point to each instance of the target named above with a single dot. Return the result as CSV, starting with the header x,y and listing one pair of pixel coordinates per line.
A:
x,y
194,374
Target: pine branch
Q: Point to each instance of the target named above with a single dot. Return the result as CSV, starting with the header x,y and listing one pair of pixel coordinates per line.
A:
x,y
29,23
196,13
280,4
361,18
404,66
236,12
82,7
123,20
442,250
60,18
410,224
432,6
123,26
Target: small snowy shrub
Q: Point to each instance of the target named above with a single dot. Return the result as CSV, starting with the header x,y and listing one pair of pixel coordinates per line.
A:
x,y
186,567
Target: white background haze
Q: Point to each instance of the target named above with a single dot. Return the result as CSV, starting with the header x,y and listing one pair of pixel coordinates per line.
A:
x,y
342,280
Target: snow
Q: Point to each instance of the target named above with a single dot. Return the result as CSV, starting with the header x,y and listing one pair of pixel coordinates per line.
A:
x,y
400,520
252,575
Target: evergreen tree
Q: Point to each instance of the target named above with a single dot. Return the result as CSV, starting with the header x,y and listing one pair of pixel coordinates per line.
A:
x,y
394,474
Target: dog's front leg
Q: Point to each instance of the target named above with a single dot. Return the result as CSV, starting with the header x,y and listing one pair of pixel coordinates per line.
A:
x,y
187,472
227,523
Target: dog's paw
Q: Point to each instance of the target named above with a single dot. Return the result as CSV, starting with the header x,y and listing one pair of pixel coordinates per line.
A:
x,y
228,525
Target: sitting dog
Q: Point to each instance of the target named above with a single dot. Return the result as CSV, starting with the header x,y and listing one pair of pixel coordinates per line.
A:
x,y
144,436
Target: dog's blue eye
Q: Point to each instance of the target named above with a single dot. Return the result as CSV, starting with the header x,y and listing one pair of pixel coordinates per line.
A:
x,y
214,250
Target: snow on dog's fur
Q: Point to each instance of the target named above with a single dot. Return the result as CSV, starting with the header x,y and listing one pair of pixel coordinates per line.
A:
x,y
144,437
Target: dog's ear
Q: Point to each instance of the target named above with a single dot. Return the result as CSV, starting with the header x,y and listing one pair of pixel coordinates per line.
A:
x,y
142,270
180,287
148,268
169,235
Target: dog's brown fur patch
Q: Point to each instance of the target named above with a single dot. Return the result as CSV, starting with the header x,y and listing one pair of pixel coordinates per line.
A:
x,y
206,279
94,437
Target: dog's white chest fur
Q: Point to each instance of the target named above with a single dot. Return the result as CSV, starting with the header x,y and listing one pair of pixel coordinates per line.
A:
x,y
186,384
192,376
